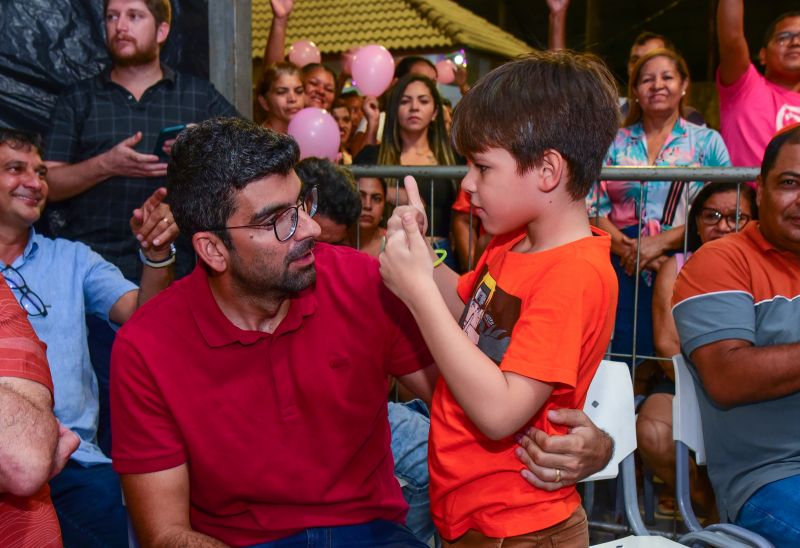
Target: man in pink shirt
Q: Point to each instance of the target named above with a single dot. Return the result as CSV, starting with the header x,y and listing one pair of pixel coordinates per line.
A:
x,y
754,106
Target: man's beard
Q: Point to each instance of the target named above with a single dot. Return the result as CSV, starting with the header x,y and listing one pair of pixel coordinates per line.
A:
x,y
260,280
138,58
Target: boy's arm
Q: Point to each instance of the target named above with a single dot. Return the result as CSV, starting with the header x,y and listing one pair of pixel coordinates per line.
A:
x,y
498,403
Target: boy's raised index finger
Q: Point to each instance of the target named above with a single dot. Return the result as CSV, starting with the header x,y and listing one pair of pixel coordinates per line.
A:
x,y
412,191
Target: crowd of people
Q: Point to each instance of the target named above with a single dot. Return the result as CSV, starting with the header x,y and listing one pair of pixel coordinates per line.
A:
x,y
235,315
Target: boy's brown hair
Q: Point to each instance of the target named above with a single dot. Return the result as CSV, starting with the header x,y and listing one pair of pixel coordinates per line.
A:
x,y
547,100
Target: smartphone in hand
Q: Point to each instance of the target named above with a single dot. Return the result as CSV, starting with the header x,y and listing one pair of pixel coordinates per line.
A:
x,y
165,135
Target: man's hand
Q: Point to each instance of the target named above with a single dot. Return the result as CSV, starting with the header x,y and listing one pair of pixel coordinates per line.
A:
x,y
68,442
123,160
556,461
153,225
415,206
281,9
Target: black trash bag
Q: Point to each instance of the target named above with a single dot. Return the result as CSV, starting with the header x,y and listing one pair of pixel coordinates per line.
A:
x,y
47,45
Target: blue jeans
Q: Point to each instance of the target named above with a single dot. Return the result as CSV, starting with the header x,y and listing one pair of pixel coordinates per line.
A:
x,y
410,425
774,512
101,339
375,534
88,502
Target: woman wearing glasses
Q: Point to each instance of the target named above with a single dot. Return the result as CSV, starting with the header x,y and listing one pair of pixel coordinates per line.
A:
x,y
646,221
718,210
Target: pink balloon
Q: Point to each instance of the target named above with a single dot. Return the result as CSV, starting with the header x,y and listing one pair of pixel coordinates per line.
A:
x,y
445,71
304,52
316,132
373,69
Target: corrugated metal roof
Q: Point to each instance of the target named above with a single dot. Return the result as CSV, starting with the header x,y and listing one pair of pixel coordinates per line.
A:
x,y
335,26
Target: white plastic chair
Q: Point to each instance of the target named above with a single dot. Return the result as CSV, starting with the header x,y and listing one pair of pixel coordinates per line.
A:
x,y
609,404
687,431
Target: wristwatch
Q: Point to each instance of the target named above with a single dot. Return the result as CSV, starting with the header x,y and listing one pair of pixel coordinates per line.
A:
x,y
159,264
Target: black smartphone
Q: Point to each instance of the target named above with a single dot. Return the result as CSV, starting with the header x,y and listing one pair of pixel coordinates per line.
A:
x,y
165,135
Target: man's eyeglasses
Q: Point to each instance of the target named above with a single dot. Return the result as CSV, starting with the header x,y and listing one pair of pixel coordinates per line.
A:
x,y
285,222
785,38
30,301
711,217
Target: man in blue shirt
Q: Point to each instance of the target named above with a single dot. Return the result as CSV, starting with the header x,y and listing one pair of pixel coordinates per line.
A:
x,y
58,282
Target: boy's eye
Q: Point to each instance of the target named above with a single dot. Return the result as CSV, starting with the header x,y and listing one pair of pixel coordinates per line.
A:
x,y
789,182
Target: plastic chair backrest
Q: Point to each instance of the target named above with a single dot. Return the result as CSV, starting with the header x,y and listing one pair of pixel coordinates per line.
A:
x,y
686,424
609,403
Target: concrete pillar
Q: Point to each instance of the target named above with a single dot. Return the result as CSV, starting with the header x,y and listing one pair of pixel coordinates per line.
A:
x,y
229,56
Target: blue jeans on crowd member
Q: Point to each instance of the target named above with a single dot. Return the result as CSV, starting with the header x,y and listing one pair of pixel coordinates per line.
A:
x,y
774,512
88,501
410,424
375,534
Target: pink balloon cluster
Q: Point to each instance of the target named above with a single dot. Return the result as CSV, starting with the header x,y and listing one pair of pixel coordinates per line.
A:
x,y
304,52
373,69
316,132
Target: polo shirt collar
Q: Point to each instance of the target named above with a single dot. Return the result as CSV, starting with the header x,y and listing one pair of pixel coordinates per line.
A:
x,y
219,331
753,231
168,75
30,249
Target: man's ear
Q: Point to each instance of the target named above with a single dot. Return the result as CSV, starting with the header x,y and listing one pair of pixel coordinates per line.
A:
x,y
553,168
759,189
212,251
162,31
762,57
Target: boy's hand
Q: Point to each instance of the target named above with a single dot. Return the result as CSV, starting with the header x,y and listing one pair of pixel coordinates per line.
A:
x,y
415,207
556,461
406,261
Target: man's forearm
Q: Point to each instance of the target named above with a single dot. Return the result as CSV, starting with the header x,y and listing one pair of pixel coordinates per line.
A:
x,y
153,281
188,539
749,374
28,438
68,180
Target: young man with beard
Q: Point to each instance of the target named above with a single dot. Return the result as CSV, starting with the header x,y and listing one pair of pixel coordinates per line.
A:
x,y
101,144
100,149
249,399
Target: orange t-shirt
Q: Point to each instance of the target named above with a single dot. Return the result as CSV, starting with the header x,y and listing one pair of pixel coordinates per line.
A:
x,y
548,316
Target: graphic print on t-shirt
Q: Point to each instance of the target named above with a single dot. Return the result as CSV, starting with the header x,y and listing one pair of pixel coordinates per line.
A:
x,y
490,316
787,115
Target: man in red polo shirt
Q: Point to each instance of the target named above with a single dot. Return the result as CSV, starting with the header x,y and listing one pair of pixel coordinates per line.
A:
x,y
249,398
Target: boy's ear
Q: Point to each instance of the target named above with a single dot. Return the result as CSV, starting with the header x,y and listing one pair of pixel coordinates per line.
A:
x,y
553,169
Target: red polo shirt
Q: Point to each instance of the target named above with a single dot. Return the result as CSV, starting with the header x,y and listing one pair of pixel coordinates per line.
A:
x,y
280,431
25,522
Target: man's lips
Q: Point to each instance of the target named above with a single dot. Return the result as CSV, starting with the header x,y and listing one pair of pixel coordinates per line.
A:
x,y
30,199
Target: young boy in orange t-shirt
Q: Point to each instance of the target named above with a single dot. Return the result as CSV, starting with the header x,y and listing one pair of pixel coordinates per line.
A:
x,y
535,316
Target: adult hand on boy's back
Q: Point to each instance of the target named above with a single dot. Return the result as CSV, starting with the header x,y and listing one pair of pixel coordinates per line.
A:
x,y
556,461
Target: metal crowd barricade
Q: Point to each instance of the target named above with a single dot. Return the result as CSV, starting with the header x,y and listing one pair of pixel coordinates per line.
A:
x,y
642,175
